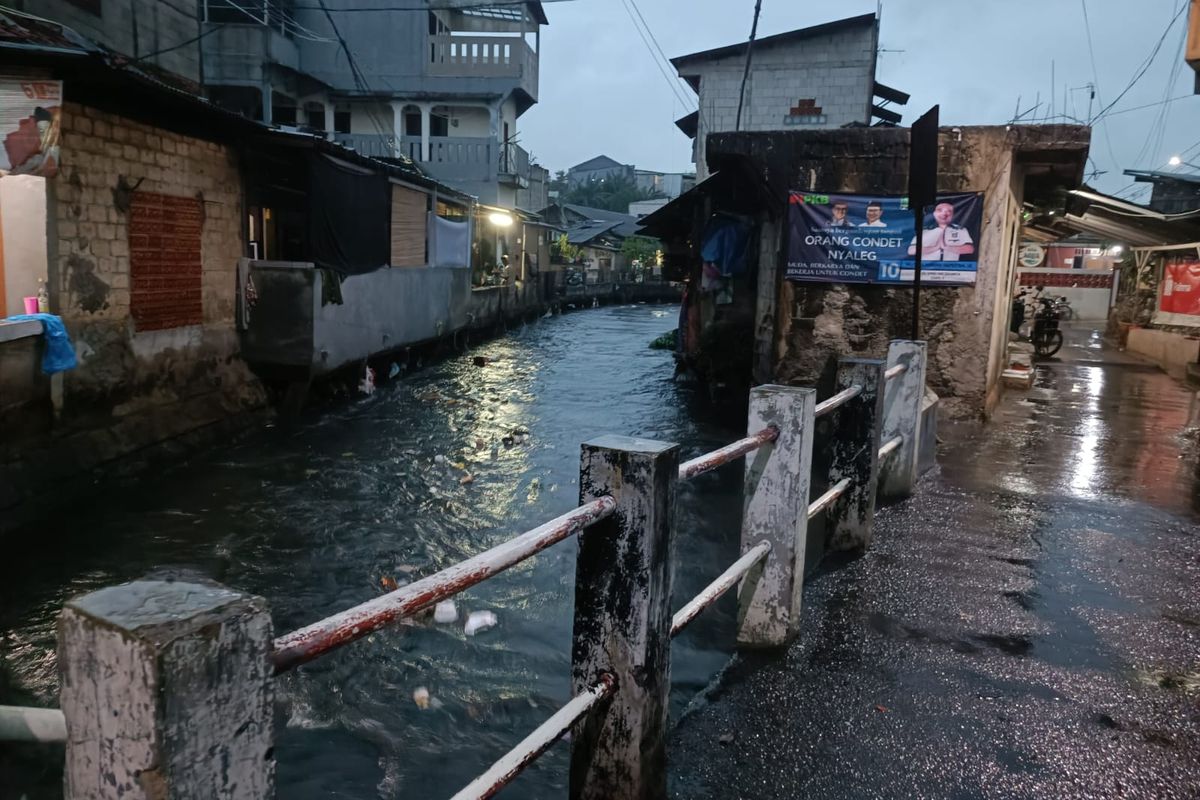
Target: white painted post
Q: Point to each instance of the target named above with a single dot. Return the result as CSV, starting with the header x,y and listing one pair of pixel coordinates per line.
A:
x,y
902,417
854,446
166,689
623,619
778,476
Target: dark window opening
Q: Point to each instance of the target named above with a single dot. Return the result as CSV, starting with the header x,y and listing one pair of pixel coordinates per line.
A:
x,y
412,123
341,121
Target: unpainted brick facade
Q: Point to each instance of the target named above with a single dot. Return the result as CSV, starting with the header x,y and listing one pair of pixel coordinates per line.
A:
x,y
144,237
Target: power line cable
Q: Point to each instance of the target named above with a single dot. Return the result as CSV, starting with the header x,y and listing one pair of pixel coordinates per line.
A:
x,y
1145,65
682,98
184,43
658,47
425,7
1087,26
360,80
749,55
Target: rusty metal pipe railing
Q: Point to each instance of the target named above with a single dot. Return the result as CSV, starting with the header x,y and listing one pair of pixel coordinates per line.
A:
x,y
502,773
827,499
354,623
894,372
890,446
720,586
24,724
710,461
844,396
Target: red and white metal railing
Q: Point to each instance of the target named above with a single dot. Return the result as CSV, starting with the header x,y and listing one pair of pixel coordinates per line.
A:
x,y
622,607
724,455
713,592
354,623
543,737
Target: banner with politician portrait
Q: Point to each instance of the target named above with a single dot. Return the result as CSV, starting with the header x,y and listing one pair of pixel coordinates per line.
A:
x,y
859,238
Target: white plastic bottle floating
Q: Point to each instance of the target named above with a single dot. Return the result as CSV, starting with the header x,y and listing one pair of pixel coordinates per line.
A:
x,y
445,612
478,621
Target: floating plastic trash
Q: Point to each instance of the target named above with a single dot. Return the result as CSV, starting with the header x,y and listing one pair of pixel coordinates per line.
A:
x,y
445,612
479,621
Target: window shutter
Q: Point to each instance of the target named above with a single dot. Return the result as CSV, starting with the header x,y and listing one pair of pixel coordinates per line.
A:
x,y
408,227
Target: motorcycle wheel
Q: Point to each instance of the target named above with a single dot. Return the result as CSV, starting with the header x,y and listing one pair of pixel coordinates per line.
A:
x,y
1066,313
1048,343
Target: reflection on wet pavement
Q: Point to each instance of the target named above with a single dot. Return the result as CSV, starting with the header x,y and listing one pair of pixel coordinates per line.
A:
x,y
1027,626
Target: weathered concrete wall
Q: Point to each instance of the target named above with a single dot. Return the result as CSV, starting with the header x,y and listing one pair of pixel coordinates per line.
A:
x,y
816,323
133,27
1171,351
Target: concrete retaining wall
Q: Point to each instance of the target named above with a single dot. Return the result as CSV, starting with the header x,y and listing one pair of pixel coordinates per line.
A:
x,y
1171,351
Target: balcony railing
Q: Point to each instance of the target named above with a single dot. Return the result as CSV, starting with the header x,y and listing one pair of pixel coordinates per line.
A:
x,y
484,57
374,145
514,164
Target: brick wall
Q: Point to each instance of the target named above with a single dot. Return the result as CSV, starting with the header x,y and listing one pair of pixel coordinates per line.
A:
x,y
145,237
103,158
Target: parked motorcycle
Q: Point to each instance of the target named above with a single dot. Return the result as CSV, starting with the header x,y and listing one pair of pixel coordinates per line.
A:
x,y
1046,337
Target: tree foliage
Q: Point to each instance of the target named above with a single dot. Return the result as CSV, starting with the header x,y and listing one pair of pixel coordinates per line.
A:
x,y
642,249
611,194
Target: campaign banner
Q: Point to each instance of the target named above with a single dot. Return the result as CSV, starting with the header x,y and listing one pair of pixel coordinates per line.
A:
x,y
30,114
860,238
1179,291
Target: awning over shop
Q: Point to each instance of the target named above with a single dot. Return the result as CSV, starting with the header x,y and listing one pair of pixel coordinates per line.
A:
x,y
1115,220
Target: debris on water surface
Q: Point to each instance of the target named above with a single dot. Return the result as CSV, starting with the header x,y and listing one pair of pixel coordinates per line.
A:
x,y
882,709
466,479
726,738
421,697
478,621
439,459
389,583
445,612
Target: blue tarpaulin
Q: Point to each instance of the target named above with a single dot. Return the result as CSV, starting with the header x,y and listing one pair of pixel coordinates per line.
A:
x,y
59,355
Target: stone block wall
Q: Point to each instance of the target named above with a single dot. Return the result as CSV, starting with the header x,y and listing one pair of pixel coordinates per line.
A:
x,y
811,325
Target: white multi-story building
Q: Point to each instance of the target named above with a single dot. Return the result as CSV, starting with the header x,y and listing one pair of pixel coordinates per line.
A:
x,y
817,77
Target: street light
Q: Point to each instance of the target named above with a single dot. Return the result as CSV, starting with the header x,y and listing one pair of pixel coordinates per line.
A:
x,y
1175,161
500,219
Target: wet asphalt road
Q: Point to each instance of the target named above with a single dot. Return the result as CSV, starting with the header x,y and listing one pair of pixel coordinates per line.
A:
x,y
1027,626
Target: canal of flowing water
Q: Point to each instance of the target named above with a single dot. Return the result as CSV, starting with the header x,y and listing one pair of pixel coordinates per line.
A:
x,y
321,517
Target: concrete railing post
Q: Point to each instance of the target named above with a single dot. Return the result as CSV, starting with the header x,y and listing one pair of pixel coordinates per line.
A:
x,y
166,690
854,447
623,619
778,476
902,417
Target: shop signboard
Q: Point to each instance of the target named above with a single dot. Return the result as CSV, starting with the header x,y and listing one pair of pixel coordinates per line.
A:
x,y
860,238
30,114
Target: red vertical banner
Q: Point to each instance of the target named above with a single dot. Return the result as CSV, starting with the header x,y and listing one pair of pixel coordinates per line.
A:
x,y
1179,290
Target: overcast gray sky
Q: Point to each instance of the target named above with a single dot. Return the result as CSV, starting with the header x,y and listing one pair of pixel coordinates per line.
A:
x,y
601,92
